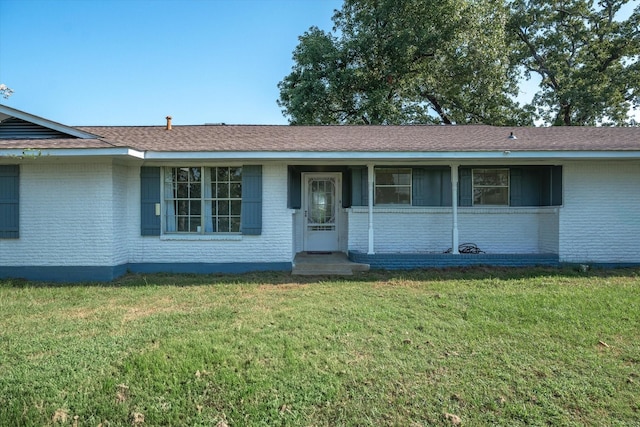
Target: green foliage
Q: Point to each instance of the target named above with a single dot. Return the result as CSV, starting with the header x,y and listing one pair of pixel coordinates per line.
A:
x,y
586,57
458,61
402,62
492,347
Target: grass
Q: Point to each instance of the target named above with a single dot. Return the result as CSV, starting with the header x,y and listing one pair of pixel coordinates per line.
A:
x,y
475,347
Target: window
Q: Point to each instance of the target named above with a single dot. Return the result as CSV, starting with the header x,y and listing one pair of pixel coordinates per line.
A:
x,y
393,186
491,187
203,199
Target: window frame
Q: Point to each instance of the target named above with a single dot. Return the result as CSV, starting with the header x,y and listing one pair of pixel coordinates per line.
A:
x,y
474,186
409,186
209,176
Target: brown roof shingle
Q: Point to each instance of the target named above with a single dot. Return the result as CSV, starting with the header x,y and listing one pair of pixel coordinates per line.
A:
x,y
369,138
256,138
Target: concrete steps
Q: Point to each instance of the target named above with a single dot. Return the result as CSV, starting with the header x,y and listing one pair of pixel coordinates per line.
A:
x,y
325,263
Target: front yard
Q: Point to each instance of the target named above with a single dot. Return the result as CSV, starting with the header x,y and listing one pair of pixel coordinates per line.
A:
x,y
469,347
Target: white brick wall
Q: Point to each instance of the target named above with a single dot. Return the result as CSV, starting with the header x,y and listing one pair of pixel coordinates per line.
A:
x,y
89,214
494,230
600,220
66,215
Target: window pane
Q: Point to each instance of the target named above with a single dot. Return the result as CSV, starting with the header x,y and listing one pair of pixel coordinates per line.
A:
x,y
223,225
195,191
236,190
223,191
235,174
182,191
235,207
222,174
194,223
183,207
235,225
393,195
491,196
195,206
223,207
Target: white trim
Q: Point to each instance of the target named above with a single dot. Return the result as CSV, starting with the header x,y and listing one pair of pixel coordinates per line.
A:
x,y
454,210
342,157
73,152
350,156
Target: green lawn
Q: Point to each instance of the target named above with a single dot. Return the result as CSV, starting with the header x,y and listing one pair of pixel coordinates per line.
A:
x,y
477,347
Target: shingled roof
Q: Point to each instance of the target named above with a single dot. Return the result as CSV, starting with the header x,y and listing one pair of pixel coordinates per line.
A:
x,y
247,138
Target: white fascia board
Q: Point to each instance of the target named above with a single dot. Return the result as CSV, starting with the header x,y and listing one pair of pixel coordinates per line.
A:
x,y
74,152
12,112
407,155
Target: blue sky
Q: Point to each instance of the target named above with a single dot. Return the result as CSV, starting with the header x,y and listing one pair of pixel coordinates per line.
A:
x,y
133,62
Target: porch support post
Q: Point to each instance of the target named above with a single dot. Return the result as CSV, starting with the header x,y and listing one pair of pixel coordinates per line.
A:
x,y
454,209
370,177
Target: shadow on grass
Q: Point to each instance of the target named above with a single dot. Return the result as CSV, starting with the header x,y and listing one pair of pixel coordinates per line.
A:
x,y
285,278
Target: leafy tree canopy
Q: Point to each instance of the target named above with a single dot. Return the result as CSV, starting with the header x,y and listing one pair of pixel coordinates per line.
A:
x,y
460,61
587,59
404,61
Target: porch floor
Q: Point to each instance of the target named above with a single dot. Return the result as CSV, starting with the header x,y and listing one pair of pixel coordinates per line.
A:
x,y
325,263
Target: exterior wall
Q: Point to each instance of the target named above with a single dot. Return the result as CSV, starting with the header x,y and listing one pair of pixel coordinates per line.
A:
x,y
66,216
429,230
507,230
600,220
272,246
81,221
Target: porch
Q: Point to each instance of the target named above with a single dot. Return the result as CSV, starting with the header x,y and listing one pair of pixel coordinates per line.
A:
x,y
407,261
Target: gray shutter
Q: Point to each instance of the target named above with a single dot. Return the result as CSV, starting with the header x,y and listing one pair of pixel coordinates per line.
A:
x,y
294,189
251,217
556,186
422,187
465,184
149,197
359,188
515,187
431,187
9,201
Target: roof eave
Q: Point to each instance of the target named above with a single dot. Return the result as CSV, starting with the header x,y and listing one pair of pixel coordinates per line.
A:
x,y
72,152
400,155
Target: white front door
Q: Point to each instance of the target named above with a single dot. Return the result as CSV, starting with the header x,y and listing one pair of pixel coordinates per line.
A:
x,y
321,204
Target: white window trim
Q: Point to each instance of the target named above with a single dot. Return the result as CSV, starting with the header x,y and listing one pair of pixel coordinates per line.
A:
x,y
410,186
473,187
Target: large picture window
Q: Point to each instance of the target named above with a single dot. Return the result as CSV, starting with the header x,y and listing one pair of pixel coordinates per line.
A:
x,y
491,187
393,186
202,199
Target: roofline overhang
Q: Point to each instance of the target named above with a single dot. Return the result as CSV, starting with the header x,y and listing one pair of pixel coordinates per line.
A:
x,y
12,112
72,152
450,156
406,155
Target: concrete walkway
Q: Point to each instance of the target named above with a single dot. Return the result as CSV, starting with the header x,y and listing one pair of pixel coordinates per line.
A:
x,y
325,263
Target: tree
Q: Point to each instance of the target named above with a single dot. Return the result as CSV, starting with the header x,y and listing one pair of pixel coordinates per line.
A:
x,y
5,91
405,61
587,59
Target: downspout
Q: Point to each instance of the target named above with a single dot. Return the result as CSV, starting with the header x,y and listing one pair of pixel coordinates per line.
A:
x,y
370,177
454,209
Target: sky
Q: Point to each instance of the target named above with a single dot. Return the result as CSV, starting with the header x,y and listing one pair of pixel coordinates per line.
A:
x,y
134,62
